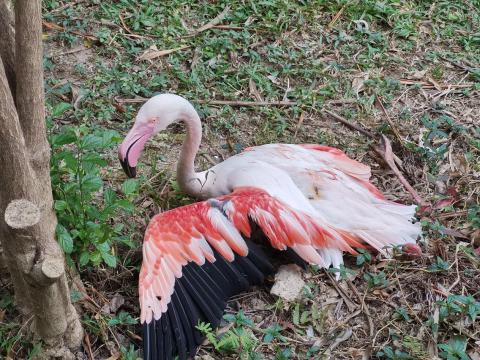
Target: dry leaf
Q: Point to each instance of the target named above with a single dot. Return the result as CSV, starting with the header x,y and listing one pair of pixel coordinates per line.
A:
x,y
358,83
152,52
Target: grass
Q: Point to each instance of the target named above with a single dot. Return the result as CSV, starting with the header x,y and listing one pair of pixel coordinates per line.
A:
x,y
420,58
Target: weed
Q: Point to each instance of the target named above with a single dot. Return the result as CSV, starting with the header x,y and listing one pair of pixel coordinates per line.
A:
x,y
363,257
376,280
455,349
273,332
388,353
85,227
439,265
122,318
234,340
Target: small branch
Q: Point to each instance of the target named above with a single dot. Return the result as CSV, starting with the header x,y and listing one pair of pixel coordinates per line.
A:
x,y
390,122
349,124
215,21
228,27
238,102
387,155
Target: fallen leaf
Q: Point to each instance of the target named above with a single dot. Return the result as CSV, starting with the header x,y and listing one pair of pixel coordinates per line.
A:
x,y
288,282
418,75
358,83
116,302
152,52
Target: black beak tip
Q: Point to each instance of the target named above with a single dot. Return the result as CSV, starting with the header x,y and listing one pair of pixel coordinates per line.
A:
x,y
129,170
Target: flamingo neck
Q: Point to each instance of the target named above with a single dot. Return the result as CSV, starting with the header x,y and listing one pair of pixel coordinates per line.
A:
x,y
188,180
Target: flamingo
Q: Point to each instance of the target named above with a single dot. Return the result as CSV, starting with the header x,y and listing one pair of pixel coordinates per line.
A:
x,y
311,199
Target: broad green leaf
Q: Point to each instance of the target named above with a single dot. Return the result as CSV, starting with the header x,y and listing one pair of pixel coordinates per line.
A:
x,y
110,196
60,109
64,239
109,259
91,183
90,142
84,258
130,186
67,136
60,205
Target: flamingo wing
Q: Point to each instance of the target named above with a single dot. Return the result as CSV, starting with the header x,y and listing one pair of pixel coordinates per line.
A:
x,y
189,270
194,259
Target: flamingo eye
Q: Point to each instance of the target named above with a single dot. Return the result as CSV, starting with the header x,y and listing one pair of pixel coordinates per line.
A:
x,y
153,120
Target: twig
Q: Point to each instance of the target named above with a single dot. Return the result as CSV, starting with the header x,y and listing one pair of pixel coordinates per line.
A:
x,y
215,21
55,27
387,154
336,17
348,123
299,124
390,122
364,307
125,27
350,304
453,214
227,27
461,66
241,103
88,346
457,280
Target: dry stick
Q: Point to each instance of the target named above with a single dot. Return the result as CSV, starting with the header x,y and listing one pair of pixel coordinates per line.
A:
x,y
88,346
215,21
364,307
349,124
227,27
390,122
453,214
387,155
241,103
350,304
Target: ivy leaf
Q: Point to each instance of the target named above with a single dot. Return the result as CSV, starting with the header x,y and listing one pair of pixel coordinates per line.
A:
x,y
64,239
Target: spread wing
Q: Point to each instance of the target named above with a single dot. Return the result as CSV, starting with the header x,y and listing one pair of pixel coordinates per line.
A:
x,y
195,258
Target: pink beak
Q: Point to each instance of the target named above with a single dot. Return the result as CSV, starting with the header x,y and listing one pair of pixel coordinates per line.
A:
x,y
132,146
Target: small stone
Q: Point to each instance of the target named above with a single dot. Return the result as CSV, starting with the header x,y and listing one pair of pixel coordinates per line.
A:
x,y
288,282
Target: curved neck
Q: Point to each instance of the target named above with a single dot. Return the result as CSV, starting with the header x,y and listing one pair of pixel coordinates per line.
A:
x,y
188,180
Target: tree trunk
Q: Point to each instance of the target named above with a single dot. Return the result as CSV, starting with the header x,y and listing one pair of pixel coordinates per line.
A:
x,y
27,220
7,42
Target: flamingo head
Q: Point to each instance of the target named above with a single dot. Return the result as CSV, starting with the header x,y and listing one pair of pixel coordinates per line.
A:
x,y
154,116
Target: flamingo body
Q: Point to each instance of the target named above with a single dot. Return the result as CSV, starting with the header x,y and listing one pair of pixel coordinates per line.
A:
x,y
312,199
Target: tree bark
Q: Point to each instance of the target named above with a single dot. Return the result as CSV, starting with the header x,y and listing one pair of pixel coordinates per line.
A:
x,y
7,42
34,257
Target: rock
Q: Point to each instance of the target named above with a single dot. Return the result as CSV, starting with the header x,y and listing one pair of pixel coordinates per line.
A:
x,y
288,282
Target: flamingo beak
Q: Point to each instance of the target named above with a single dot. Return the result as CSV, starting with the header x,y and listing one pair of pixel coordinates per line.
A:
x,y
132,147
131,171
